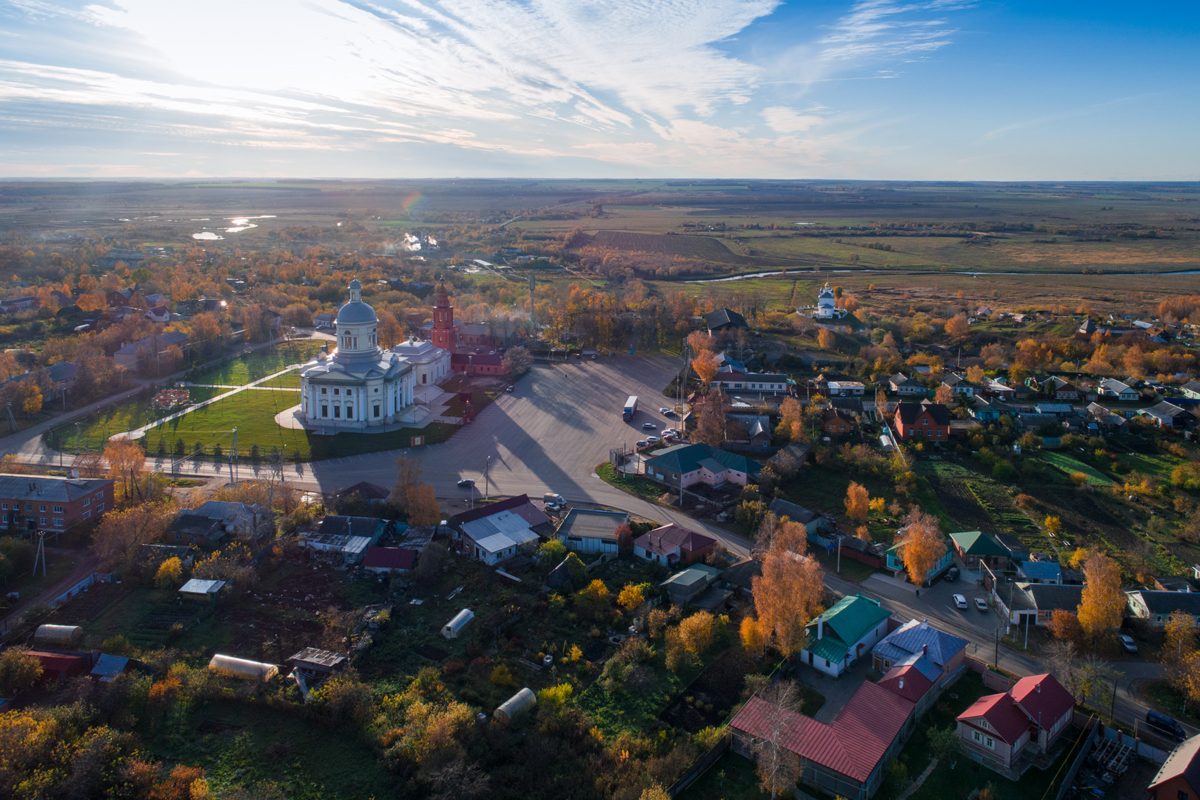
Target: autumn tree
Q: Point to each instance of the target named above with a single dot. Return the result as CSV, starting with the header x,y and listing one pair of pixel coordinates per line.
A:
x,y
710,427
700,342
777,765
121,533
169,574
958,326
697,632
706,366
126,463
415,499
752,636
1103,602
826,340
517,361
924,545
944,395
791,419
786,595
857,502
1064,625
881,403
1178,654
631,597
1053,525
975,374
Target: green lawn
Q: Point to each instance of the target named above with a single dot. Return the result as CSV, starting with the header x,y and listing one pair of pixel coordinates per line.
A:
x,y
638,487
731,778
244,744
289,380
851,570
1069,465
245,369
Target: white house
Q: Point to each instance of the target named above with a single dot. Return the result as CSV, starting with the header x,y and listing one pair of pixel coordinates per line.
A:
x,y
591,530
846,389
846,632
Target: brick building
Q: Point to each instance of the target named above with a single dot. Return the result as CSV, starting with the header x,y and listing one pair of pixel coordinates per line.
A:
x,y
38,502
931,420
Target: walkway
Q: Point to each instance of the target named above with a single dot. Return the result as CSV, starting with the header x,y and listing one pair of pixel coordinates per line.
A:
x,y
138,433
256,388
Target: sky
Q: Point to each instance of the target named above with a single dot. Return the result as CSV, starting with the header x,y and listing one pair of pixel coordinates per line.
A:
x,y
873,89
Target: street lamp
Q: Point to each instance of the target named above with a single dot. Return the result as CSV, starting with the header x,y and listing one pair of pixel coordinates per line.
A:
x,y
486,477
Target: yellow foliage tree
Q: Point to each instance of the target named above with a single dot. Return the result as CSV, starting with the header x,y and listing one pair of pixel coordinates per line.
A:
x,y
826,340
1102,603
1053,525
706,366
631,597
786,595
752,636
857,502
595,592
696,632
958,325
924,546
169,574
944,395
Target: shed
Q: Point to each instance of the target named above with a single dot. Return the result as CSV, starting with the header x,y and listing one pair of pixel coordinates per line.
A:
x,y
389,559
59,666
200,589
518,704
242,668
108,668
452,628
316,663
57,635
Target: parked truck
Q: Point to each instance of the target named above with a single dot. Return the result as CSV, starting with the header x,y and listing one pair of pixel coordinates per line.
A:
x,y
630,408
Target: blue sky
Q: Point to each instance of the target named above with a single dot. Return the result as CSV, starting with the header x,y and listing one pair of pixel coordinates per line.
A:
x,y
876,89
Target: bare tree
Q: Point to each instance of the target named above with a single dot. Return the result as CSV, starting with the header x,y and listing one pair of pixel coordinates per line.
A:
x,y
778,766
1066,665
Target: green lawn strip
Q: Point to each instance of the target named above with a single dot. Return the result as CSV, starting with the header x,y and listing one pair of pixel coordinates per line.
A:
x,y
290,380
1171,702
1069,465
247,743
638,487
1159,464
851,570
962,775
244,369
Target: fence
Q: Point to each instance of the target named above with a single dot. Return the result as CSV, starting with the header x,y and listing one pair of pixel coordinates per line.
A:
x,y
1141,748
991,679
1092,729
864,558
701,766
95,577
602,560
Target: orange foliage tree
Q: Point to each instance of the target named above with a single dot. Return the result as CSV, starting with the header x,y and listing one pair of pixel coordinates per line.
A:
x,y
826,340
1102,603
924,546
705,365
858,502
786,595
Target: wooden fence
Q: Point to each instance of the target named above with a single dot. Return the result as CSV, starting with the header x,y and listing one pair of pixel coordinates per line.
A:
x,y
1091,731
701,766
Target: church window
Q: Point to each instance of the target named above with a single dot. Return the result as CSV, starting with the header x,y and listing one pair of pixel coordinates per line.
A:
x,y
349,412
324,390
423,378
377,409
337,412
376,390
337,391
324,410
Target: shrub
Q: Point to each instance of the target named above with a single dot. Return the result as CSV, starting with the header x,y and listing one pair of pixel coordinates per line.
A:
x,y
169,574
555,695
502,676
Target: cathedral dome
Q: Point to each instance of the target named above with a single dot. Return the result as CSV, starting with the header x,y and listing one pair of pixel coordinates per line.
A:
x,y
356,312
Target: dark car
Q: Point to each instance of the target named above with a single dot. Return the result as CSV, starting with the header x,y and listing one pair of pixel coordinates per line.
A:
x,y
1165,725
951,575
466,483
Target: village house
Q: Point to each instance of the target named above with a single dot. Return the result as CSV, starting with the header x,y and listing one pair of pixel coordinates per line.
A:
x,y
1040,572
1165,415
1114,389
762,382
345,536
836,423
724,319
1030,716
149,349
685,586
387,560
845,388
845,632
32,502
905,386
496,532
976,547
959,385
688,464
1179,776
1156,607
813,522
1023,603
931,421
592,530
895,561
673,544
944,651
1191,390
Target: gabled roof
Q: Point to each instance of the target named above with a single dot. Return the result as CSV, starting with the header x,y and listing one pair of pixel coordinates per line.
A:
x,y
366,490
1182,763
1041,570
591,523
782,508
907,681
910,412
519,504
1043,698
667,538
977,543
851,618
687,458
1167,603
201,586
337,525
1003,716
390,558
724,316
47,489
919,637
742,573
1053,597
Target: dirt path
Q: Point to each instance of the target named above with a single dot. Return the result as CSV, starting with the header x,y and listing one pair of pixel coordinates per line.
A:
x,y
88,563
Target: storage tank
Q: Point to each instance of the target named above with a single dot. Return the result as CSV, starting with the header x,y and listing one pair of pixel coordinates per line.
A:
x,y
57,635
516,705
243,668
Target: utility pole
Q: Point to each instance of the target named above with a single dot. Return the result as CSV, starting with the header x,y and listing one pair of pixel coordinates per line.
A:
x,y
233,460
839,560
487,467
40,554
997,659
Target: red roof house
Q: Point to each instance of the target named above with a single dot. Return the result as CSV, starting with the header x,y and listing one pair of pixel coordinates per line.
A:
x,y
60,666
907,682
389,559
672,544
931,420
1179,775
846,757
1033,713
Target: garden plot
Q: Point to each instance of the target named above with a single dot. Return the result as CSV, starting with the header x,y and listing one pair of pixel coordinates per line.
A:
x,y
708,699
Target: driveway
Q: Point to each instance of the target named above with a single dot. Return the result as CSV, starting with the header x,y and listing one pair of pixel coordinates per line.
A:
x,y
837,691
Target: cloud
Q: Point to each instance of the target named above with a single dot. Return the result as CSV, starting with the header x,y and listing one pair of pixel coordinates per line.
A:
x,y
787,120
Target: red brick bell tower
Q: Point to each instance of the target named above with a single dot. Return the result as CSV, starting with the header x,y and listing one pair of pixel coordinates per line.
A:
x,y
444,335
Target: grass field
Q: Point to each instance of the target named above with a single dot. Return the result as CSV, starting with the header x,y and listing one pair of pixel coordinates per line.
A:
x,y
1071,465
245,369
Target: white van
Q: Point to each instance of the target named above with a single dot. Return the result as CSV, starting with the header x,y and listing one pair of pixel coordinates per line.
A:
x,y
556,499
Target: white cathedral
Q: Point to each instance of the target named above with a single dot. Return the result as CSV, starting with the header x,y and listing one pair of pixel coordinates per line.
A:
x,y
827,306
360,385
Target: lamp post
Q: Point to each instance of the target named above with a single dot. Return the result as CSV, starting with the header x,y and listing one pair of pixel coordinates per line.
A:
x,y
486,477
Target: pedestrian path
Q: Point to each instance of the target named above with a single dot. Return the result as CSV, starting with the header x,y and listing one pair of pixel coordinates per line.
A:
x,y
255,388
138,433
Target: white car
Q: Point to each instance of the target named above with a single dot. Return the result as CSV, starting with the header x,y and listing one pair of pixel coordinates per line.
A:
x,y
652,439
648,426
1128,643
664,411
981,604
960,601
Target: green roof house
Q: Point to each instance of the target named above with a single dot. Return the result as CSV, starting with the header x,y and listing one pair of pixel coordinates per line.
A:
x,y
976,547
844,633
700,463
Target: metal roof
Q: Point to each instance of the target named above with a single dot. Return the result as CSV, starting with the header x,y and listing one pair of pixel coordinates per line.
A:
x,y
907,681
1004,718
852,617
977,543
1041,570
201,586
324,658
1043,698
46,489
666,539
593,524
108,667
918,636
1166,603
692,575
1181,763
390,558
687,458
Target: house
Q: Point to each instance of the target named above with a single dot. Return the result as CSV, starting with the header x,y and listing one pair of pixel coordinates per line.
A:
x,y
60,666
813,522
1053,387
591,531
836,423
983,410
1191,390
1031,715
975,547
365,490
931,420
325,321
847,757
205,591
1105,418
845,388
905,386
32,502
723,319
159,314
687,464
389,559
845,632
1165,415
149,348
761,382
959,385
917,638
190,528
1023,603
347,537
758,430
1179,776
1173,583
1157,606
999,389
894,560
689,584
216,520
14,304
673,544
740,576
1056,410
496,532
1116,390
1040,572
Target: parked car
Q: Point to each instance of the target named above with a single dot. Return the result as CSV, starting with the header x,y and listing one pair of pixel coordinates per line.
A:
x,y
554,507
466,483
1128,643
664,411
981,604
649,426
652,439
960,601
509,390
554,497
951,575
669,413
643,443
1165,725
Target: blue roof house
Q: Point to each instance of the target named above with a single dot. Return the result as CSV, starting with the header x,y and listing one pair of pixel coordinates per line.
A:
x,y
895,561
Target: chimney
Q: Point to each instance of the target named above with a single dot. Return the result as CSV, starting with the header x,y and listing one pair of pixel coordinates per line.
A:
x,y
1037,687
820,626
924,649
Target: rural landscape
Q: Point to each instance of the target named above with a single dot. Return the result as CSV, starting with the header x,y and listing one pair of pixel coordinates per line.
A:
x,y
722,400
